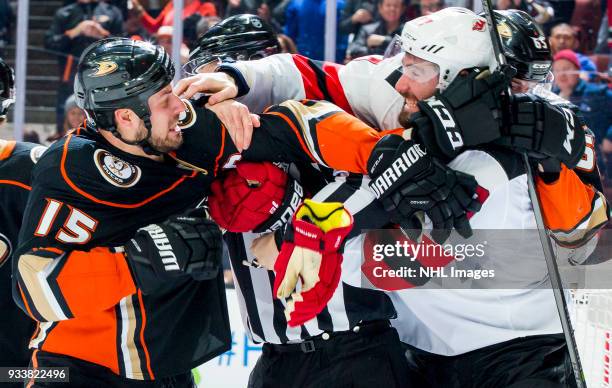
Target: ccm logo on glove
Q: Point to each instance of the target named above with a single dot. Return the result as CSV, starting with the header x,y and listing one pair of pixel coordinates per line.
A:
x,y
399,166
454,135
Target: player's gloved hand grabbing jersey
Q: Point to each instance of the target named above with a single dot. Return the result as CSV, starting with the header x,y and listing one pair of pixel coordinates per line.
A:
x,y
258,197
408,180
467,113
311,252
188,244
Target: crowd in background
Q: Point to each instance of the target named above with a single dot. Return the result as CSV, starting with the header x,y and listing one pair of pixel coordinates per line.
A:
x,y
578,33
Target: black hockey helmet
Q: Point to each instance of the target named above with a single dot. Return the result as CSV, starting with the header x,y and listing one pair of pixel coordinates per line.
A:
x,y
7,88
239,38
524,44
118,73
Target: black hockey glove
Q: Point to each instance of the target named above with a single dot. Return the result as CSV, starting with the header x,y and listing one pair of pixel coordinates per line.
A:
x,y
407,180
550,133
188,244
467,113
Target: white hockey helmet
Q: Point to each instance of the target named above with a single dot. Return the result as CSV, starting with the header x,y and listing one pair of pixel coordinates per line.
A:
x,y
454,38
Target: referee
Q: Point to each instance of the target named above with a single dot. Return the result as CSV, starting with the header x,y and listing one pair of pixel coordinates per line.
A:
x,y
350,343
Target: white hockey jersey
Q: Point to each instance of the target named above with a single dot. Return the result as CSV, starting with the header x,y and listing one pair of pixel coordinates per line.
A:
x,y
446,322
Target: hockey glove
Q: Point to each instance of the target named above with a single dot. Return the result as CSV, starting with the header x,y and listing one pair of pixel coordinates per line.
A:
x,y
550,133
467,113
185,245
408,180
311,252
258,197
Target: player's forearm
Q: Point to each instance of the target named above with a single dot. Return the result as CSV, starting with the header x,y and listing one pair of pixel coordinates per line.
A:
x,y
54,285
317,132
269,81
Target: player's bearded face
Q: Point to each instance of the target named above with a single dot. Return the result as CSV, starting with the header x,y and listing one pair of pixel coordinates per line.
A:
x,y
165,110
418,82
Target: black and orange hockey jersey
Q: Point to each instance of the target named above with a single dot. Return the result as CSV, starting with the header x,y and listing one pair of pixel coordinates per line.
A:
x,y
87,198
16,328
320,132
294,131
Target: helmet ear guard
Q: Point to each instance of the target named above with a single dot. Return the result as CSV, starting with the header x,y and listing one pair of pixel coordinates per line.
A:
x,y
118,73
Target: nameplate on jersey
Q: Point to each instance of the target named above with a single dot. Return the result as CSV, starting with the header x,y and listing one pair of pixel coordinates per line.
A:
x,y
116,171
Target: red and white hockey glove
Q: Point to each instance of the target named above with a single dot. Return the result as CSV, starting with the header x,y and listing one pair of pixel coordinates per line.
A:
x,y
311,252
257,197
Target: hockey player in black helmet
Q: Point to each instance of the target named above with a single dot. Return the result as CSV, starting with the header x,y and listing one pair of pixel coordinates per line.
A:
x,y
525,48
237,38
121,73
16,162
119,311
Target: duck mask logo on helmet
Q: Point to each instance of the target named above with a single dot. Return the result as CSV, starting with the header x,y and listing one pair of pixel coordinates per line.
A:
x,y
120,73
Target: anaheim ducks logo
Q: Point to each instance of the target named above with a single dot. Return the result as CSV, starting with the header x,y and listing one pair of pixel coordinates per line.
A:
x,y
104,68
36,153
504,30
5,249
116,171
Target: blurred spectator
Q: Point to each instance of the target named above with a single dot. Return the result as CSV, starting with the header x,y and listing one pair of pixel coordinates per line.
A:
x,y
594,100
164,39
564,9
166,16
73,118
585,20
237,7
563,37
6,16
374,38
286,44
540,10
427,7
205,23
133,27
266,11
355,14
74,27
31,136
305,25
279,12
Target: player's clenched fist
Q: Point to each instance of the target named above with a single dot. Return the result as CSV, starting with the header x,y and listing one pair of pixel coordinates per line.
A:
x,y
188,244
311,252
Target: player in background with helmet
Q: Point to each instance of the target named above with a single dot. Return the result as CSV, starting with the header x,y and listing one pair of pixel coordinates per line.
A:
x,y
241,37
118,302
16,162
